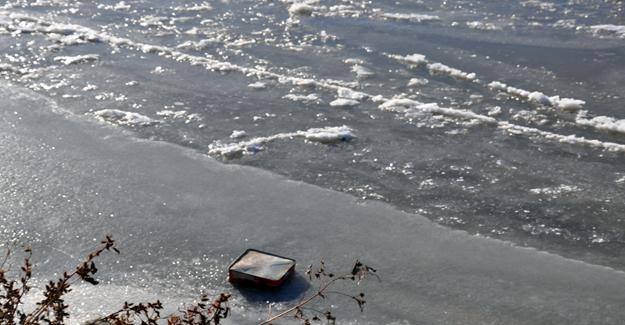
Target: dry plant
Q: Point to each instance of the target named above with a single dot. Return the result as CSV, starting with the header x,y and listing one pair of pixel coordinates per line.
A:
x,y
307,314
52,309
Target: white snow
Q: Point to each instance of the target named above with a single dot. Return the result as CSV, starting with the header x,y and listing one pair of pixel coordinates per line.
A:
x,y
198,7
258,85
568,104
480,25
347,93
237,134
120,117
417,82
344,102
411,59
301,9
410,107
603,123
67,60
568,139
180,114
303,98
441,69
410,17
608,30
555,191
322,135
362,72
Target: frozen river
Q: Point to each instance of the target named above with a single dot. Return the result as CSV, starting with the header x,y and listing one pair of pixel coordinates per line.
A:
x,y
434,140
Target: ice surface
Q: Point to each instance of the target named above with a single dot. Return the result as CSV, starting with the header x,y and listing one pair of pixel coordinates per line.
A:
x,y
169,207
455,121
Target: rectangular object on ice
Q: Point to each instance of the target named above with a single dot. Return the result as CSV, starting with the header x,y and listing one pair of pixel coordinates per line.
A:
x,y
261,268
